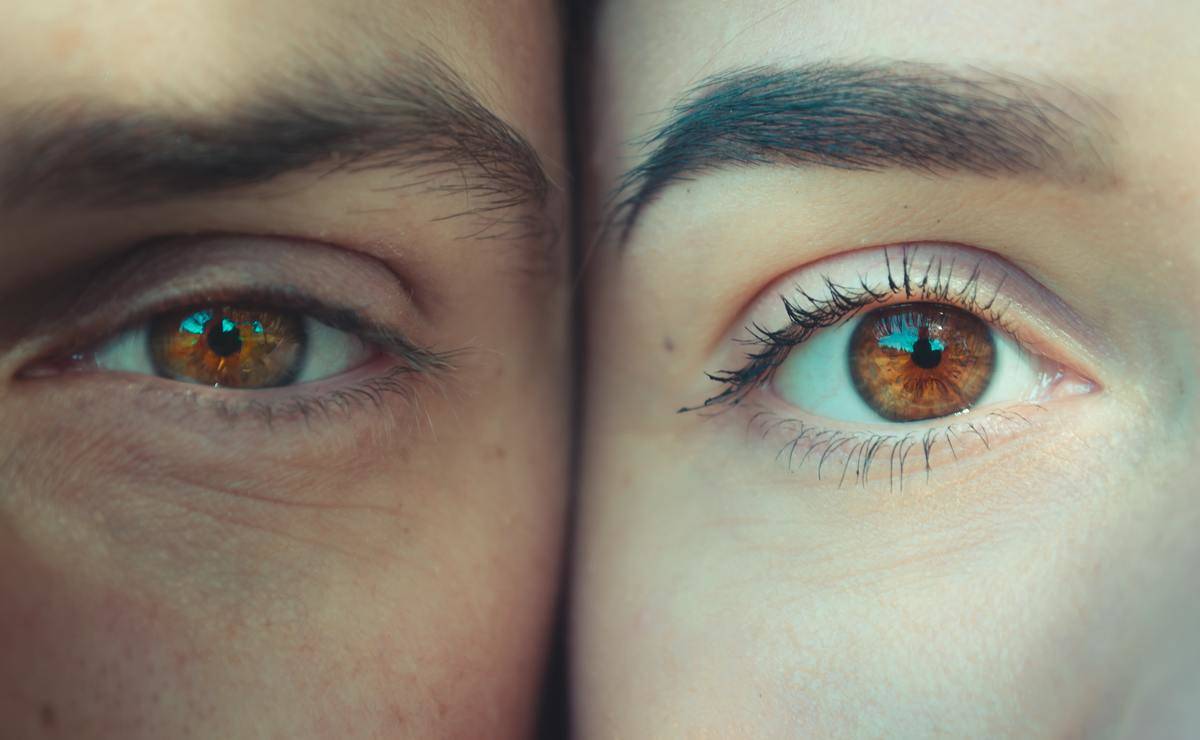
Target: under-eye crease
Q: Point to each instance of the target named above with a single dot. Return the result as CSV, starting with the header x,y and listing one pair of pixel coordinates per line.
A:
x,y
910,334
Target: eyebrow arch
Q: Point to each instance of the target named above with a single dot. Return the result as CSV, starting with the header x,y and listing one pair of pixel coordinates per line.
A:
x,y
869,117
414,116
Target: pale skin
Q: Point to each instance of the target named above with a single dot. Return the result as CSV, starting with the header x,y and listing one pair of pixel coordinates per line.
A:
x,y
381,568
1040,588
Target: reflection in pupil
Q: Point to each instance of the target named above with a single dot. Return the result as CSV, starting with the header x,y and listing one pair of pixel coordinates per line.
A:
x,y
224,338
923,354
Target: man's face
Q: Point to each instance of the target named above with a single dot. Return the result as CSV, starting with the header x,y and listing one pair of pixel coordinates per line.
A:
x,y
856,221
282,355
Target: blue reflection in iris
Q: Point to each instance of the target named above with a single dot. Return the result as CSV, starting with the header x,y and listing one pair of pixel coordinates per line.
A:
x,y
905,339
197,322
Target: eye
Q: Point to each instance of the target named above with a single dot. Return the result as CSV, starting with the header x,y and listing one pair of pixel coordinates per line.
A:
x,y
908,362
232,346
901,334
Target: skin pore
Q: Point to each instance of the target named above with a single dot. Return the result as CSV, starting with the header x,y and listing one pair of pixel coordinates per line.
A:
x,y
372,554
759,570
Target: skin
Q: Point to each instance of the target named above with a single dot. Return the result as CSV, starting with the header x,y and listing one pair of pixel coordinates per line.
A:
x,y
382,572
1042,588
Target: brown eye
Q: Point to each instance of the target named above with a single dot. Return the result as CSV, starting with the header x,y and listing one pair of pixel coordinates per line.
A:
x,y
916,361
228,346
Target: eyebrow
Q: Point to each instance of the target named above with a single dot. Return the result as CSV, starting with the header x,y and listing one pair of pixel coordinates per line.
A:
x,y
415,116
869,117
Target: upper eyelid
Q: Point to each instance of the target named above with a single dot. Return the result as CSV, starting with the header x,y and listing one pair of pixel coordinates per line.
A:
x,y
984,268
175,273
95,329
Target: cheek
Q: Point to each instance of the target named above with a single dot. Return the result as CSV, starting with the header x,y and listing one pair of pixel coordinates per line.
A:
x,y
1022,598
89,660
132,610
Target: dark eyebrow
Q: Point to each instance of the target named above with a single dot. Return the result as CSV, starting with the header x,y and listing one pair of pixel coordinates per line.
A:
x,y
414,115
869,117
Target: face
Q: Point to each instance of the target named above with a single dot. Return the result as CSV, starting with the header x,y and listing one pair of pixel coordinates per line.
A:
x,y
891,426
282,367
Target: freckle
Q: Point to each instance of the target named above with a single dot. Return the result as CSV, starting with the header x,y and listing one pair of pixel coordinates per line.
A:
x,y
668,344
500,453
47,716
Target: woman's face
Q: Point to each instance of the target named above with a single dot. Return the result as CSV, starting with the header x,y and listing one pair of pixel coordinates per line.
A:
x,y
344,216
852,223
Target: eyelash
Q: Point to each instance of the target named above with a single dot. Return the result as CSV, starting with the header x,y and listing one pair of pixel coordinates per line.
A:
x,y
367,394
866,447
844,303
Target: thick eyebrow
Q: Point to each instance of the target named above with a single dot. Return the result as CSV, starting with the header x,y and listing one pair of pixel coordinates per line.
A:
x,y
415,116
870,117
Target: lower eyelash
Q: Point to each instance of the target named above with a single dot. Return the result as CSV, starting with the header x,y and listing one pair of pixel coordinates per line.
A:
x,y
367,394
850,456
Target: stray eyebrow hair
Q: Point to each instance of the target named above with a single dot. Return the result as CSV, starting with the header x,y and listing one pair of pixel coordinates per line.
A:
x,y
415,115
868,117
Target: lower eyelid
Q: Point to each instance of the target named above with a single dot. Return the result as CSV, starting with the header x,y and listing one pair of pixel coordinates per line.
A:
x,y
385,385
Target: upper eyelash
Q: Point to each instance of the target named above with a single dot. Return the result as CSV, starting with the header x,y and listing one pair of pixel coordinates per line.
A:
x,y
845,302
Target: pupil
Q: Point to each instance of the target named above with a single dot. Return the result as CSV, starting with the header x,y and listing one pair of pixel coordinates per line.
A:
x,y
924,355
223,338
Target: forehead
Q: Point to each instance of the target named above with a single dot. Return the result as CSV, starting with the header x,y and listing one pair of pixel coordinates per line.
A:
x,y
157,53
